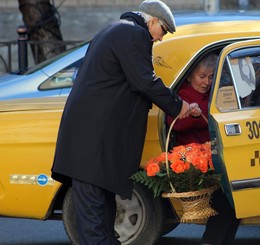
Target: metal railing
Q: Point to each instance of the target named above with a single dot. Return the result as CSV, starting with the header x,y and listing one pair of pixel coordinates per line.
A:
x,y
6,60
15,55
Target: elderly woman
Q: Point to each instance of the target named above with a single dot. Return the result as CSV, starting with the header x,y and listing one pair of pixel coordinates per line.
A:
x,y
194,129
220,229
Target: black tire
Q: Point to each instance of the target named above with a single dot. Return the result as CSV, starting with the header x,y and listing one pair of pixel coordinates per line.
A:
x,y
143,218
139,221
69,218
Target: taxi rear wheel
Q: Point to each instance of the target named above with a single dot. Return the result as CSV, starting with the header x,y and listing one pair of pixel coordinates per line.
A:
x,y
69,218
140,220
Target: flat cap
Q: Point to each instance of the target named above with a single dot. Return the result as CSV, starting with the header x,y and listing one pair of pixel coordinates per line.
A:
x,y
159,9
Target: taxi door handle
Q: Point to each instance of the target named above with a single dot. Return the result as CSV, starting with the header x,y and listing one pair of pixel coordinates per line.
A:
x,y
233,129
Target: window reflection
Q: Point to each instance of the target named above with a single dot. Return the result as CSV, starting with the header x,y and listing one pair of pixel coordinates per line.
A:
x,y
62,79
240,83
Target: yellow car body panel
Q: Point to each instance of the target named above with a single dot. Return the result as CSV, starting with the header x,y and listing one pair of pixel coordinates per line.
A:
x,y
27,139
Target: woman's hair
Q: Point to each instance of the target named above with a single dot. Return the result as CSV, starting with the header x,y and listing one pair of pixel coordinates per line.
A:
x,y
210,60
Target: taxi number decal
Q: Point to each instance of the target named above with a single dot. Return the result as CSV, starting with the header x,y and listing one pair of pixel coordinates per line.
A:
x,y
254,129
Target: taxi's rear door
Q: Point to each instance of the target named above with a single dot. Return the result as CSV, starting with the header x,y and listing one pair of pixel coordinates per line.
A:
x,y
235,125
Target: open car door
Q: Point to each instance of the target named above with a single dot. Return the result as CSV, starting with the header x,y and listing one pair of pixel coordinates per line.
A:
x,y
234,123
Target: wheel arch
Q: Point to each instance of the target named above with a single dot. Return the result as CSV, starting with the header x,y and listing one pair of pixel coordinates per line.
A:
x,y
55,209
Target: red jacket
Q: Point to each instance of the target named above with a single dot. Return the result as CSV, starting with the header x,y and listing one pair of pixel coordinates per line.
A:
x,y
191,129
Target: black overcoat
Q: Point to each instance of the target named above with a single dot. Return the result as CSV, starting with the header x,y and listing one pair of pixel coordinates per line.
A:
x,y
103,126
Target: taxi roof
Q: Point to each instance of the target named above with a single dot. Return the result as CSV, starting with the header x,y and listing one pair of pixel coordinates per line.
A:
x,y
173,54
216,27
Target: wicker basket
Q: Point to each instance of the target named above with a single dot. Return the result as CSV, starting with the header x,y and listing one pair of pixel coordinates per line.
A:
x,y
195,204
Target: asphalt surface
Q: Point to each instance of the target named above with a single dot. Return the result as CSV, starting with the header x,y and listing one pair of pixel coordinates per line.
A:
x,y
34,232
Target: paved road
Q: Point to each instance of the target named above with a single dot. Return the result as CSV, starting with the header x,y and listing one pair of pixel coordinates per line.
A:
x,y
32,232
191,234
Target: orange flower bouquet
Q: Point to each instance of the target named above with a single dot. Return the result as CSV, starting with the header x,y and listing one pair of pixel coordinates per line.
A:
x,y
182,173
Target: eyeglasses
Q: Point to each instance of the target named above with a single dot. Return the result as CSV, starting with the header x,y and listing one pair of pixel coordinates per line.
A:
x,y
163,28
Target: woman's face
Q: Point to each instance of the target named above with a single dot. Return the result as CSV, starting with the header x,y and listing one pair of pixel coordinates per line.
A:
x,y
201,78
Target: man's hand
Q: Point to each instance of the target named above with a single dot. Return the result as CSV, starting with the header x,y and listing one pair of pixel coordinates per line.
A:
x,y
185,110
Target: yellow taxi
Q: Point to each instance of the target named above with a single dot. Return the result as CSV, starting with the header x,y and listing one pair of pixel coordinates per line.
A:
x,y
31,105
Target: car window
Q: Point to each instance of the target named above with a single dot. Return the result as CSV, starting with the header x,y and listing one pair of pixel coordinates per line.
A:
x,y
226,99
52,60
240,83
62,79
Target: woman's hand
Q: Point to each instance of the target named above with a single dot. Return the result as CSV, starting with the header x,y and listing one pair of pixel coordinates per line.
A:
x,y
195,110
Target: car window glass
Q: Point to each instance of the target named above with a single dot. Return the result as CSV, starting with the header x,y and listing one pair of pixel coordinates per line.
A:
x,y
52,60
245,71
239,84
226,98
62,79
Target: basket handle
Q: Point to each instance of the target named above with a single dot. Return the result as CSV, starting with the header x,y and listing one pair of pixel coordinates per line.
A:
x,y
204,117
167,145
166,155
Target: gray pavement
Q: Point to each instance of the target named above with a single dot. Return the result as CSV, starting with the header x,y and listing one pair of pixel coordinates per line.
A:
x,y
34,232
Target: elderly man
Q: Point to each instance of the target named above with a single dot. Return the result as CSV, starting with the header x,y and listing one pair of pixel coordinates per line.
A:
x,y
103,126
